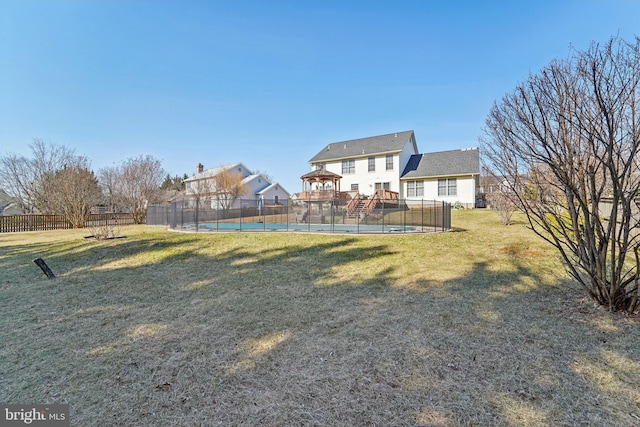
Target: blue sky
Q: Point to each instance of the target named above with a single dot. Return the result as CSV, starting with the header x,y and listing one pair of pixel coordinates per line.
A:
x,y
269,83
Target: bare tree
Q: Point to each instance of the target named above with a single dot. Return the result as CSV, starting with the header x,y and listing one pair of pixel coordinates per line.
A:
x,y
134,184
566,140
228,187
24,177
107,179
73,191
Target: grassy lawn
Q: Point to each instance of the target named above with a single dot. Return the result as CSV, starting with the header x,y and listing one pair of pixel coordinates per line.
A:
x,y
478,326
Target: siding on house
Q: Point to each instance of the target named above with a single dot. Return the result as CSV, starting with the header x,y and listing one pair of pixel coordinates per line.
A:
x,y
10,209
273,193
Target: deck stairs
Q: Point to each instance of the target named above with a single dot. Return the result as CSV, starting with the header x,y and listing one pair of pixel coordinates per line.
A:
x,y
359,207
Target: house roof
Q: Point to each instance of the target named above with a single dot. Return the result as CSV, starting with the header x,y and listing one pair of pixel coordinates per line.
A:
x,y
267,188
215,171
389,143
250,178
6,200
443,163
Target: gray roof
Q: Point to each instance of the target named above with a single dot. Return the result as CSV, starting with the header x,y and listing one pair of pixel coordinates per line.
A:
x,y
443,163
215,171
5,199
390,143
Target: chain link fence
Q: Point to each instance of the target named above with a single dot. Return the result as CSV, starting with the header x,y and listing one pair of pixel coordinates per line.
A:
x,y
332,216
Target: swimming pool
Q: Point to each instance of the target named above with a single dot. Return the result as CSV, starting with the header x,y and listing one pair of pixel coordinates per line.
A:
x,y
331,228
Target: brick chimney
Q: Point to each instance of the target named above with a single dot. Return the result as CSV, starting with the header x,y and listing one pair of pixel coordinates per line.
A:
x,y
199,168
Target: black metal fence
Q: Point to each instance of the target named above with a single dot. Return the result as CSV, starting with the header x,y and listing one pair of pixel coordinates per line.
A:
x,y
334,216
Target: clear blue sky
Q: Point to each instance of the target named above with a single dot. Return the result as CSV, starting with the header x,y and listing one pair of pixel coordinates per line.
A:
x,y
270,82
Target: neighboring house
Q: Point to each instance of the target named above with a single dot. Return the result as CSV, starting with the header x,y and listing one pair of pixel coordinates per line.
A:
x,y
495,184
259,190
9,205
392,162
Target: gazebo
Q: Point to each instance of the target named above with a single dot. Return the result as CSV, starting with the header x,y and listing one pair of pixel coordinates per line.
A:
x,y
320,192
320,185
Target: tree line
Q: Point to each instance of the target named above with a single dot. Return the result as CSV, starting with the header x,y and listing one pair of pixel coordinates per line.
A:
x,y
55,180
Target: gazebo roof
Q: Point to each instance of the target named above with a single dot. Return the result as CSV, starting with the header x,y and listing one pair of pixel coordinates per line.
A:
x,y
321,174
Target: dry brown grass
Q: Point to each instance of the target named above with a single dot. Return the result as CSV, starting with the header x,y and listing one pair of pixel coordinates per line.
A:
x,y
472,327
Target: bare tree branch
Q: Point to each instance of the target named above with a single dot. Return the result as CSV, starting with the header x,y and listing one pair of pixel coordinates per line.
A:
x,y
568,141
134,184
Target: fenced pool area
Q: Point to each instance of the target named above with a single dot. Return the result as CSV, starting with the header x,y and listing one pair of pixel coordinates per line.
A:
x,y
327,228
312,216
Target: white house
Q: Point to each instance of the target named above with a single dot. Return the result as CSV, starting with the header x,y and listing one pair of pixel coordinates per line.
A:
x,y
368,164
392,162
9,205
259,191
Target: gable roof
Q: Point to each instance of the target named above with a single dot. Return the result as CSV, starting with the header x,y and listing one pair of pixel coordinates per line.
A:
x,y
443,163
6,200
215,171
275,184
251,177
4,196
389,143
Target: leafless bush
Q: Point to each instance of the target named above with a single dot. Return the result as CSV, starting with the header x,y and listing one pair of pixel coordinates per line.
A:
x,y
104,232
503,204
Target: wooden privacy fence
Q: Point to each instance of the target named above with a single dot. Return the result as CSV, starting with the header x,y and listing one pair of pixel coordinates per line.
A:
x,y
16,223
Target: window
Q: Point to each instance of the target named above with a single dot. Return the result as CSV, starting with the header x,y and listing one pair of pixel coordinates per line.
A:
x,y
415,188
319,166
354,187
372,164
348,166
383,185
452,185
275,200
447,187
389,162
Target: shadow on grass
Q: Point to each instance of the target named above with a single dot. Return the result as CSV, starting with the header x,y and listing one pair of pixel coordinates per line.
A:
x,y
207,330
